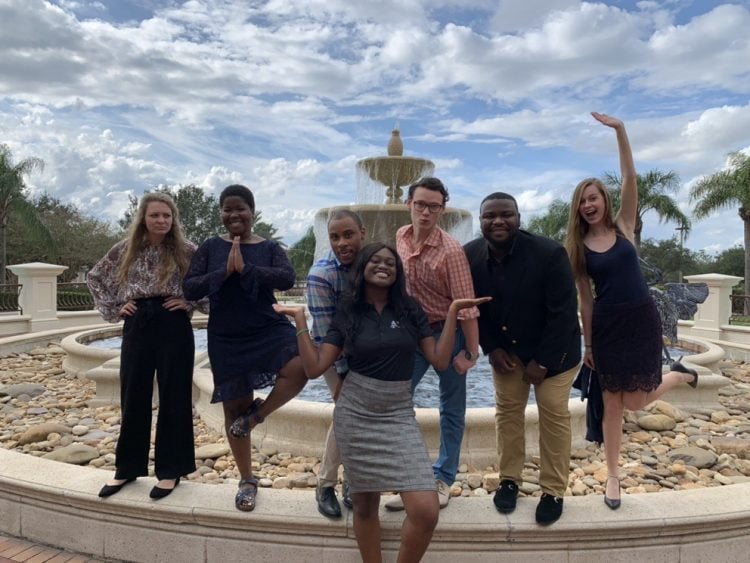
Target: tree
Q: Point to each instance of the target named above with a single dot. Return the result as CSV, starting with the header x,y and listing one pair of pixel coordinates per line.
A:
x,y
13,202
669,258
80,240
727,188
302,253
552,224
654,188
730,262
265,230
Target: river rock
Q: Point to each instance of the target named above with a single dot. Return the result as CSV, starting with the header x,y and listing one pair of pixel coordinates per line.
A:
x,y
28,389
80,430
731,445
695,456
211,451
77,454
40,432
656,422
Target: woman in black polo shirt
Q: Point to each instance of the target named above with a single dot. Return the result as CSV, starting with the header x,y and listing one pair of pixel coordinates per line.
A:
x,y
378,327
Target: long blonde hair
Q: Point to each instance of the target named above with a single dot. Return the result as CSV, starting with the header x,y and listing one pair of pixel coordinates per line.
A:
x,y
578,227
173,249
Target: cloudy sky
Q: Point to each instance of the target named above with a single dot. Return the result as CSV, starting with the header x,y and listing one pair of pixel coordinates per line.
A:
x,y
117,96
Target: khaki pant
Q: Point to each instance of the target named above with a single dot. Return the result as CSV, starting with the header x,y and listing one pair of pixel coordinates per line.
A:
x,y
552,395
328,475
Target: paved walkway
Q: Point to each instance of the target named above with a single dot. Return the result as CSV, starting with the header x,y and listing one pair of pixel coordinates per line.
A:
x,y
13,550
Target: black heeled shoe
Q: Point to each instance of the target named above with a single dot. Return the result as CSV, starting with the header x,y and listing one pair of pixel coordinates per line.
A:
x,y
613,503
159,493
244,423
677,366
109,490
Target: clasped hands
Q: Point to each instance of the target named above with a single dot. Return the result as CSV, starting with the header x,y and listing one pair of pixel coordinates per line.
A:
x,y
533,373
235,262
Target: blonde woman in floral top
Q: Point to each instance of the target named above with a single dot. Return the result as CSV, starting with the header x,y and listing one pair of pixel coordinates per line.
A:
x,y
140,281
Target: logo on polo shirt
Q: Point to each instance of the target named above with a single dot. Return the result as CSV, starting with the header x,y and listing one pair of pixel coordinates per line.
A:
x,y
394,324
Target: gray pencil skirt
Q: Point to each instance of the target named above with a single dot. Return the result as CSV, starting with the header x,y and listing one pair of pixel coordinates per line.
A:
x,y
381,445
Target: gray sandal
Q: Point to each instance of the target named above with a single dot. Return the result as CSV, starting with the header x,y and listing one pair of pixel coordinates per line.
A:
x,y
245,498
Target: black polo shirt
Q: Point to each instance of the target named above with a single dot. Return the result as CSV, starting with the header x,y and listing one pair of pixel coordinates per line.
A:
x,y
382,348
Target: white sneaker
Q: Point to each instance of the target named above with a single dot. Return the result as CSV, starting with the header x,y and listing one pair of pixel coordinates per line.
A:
x,y
395,503
444,493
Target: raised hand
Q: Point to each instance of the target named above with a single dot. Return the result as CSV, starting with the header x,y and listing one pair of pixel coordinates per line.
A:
x,y
607,120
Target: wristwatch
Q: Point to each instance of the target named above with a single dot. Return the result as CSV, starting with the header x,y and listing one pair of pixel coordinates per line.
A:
x,y
471,357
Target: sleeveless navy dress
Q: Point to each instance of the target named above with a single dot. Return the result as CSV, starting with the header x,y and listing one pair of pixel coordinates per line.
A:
x,y
626,334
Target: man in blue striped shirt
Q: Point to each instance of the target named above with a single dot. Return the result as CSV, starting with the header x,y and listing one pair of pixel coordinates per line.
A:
x,y
326,283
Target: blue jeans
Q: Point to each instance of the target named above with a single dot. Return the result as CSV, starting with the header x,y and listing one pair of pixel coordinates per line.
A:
x,y
452,410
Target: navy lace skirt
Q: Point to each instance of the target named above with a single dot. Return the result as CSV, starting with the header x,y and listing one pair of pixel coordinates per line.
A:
x,y
627,345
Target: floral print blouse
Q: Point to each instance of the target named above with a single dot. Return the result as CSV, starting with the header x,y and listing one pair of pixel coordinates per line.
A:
x,y
142,281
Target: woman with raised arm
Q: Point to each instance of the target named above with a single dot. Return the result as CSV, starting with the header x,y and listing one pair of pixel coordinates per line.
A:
x,y
140,281
249,345
378,327
621,326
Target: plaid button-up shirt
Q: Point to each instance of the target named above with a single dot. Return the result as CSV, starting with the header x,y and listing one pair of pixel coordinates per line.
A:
x,y
326,281
437,272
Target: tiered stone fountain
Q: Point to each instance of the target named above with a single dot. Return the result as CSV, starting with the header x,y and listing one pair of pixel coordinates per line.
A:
x,y
382,218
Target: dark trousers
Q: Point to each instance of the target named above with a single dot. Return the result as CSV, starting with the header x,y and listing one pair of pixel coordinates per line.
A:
x,y
156,340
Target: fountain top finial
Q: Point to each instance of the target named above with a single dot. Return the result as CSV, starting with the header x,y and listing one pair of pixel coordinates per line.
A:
x,y
395,144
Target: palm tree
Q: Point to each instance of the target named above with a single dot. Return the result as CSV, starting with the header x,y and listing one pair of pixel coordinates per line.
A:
x,y
552,224
654,188
12,200
727,188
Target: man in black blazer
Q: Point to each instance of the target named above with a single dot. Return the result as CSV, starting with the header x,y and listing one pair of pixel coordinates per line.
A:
x,y
530,332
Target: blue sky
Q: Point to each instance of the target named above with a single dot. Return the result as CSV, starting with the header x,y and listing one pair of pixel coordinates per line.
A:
x,y
285,96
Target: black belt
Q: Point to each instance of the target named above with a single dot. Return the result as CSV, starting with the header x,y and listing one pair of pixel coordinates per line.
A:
x,y
437,326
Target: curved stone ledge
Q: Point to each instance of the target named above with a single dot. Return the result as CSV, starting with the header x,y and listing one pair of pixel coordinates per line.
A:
x,y
54,503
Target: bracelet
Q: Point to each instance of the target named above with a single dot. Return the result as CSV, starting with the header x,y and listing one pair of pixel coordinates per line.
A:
x,y
302,331
587,345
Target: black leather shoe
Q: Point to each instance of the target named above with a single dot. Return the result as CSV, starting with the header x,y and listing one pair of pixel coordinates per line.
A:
x,y
505,496
346,496
159,493
328,504
677,366
109,490
549,509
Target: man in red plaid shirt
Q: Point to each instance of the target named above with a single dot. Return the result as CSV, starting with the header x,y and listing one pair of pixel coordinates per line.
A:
x,y
437,272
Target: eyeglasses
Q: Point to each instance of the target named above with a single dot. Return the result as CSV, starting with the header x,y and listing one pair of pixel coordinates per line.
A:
x,y
421,206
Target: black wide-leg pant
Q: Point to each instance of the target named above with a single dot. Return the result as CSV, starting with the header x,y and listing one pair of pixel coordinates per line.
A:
x,y
161,341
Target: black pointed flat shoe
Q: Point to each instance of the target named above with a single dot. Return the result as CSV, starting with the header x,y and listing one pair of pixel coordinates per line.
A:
x,y
109,490
159,493
677,366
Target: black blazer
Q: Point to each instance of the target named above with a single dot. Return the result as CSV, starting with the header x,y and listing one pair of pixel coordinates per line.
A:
x,y
534,311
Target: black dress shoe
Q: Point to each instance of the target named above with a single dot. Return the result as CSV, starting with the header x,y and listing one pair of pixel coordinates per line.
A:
x,y
158,493
677,366
328,504
549,509
346,496
505,496
109,490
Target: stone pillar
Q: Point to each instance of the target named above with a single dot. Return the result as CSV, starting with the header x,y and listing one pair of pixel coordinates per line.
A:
x,y
38,297
717,308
